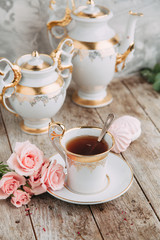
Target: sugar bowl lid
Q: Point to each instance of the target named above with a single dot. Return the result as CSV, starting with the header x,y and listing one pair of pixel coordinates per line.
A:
x,y
91,11
35,61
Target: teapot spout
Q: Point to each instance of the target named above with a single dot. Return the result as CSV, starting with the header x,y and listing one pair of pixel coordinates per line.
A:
x,y
127,44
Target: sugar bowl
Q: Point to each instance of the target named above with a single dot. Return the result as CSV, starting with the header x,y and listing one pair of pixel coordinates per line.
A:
x,y
34,87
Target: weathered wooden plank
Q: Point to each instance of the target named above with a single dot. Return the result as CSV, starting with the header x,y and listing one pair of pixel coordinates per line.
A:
x,y
14,224
148,98
59,219
144,153
55,219
127,218
72,115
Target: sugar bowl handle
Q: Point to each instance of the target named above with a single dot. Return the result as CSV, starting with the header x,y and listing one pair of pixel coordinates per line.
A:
x,y
63,55
7,88
55,131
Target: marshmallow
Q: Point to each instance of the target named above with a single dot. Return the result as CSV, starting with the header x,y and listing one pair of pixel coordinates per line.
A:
x,y
131,123
122,138
125,130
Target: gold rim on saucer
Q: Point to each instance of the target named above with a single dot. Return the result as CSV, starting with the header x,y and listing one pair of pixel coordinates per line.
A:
x,y
92,103
33,131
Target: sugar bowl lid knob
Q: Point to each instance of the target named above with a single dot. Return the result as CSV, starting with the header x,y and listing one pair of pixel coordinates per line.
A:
x,y
90,2
35,62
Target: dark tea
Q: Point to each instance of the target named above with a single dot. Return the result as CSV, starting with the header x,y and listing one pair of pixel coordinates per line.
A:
x,y
86,145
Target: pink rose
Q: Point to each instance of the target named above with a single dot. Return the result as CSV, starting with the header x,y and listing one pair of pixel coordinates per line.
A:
x,y
20,198
9,183
28,190
37,186
54,176
26,159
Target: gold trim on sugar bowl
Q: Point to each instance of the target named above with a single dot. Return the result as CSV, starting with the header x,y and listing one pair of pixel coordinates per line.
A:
x,y
33,131
53,87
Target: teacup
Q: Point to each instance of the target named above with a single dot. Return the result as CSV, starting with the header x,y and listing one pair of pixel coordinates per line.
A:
x,y
86,174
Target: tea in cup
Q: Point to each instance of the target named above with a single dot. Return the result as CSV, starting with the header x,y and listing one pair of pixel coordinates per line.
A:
x,y
84,156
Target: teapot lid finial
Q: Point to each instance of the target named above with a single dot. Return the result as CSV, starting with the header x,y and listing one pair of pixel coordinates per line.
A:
x,y
90,10
90,2
35,53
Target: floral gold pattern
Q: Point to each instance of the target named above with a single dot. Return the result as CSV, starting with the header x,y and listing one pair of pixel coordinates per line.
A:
x,y
91,166
37,98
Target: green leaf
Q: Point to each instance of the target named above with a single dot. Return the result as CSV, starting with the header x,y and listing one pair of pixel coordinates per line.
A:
x,y
156,68
148,74
156,86
157,77
27,185
3,169
151,79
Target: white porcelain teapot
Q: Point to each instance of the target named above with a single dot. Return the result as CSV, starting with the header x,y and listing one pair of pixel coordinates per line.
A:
x,y
36,86
98,52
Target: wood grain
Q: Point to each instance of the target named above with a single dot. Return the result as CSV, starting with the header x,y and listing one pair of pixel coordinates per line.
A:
x,y
143,154
128,217
146,96
54,219
59,219
14,224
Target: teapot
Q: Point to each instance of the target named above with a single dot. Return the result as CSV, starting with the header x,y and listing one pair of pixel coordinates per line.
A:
x,y
98,52
34,87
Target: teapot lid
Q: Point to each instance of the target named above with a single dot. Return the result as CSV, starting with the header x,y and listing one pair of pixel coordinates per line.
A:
x,y
91,11
35,62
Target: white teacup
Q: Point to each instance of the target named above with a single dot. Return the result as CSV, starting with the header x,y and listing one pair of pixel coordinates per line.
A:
x,y
85,174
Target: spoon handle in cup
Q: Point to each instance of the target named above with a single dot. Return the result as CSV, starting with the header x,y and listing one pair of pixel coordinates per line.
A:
x,y
107,124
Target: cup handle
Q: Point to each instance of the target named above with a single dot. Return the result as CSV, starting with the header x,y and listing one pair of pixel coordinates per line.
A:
x,y
56,130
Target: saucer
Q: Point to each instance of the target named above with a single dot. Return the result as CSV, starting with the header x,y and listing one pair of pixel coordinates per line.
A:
x,y
120,179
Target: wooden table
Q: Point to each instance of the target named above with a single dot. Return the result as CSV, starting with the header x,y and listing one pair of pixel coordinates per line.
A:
x,y
133,216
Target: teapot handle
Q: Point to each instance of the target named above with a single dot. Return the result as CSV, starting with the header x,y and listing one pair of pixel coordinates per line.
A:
x,y
9,85
61,23
63,55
